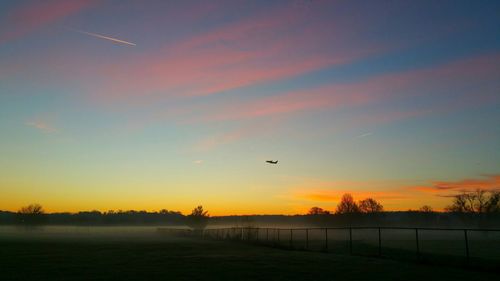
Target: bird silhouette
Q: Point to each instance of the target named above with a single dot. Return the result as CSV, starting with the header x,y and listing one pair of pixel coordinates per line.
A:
x,y
272,162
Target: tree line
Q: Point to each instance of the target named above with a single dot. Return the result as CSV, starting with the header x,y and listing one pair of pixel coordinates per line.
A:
x,y
478,201
348,211
34,214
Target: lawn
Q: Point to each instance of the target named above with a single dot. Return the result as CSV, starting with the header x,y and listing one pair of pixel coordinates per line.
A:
x,y
187,259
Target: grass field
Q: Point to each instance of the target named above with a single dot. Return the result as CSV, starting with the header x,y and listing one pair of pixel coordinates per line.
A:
x,y
187,259
444,247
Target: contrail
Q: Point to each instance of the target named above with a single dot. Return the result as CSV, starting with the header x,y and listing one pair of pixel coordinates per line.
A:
x,y
364,135
103,37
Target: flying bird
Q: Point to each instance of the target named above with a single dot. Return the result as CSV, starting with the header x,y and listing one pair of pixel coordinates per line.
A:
x,y
272,162
103,37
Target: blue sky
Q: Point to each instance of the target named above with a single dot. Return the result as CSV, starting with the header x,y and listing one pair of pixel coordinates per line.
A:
x,y
384,99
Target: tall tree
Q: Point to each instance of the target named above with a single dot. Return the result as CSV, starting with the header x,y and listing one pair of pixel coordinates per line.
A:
x,y
478,201
198,219
32,214
493,204
347,205
370,205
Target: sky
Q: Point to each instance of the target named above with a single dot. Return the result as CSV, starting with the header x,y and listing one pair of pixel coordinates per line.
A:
x,y
109,105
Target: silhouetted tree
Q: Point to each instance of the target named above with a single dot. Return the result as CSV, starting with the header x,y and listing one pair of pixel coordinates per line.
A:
x,y
370,205
460,204
318,211
493,204
33,209
426,209
478,201
32,214
481,199
198,219
347,205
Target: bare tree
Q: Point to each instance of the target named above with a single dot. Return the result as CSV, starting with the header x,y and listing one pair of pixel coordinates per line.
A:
x,y
426,209
460,204
347,205
318,211
32,214
32,209
481,200
198,219
493,204
478,201
370,205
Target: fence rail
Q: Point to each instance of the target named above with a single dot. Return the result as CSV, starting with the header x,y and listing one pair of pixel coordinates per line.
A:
x,y
420,243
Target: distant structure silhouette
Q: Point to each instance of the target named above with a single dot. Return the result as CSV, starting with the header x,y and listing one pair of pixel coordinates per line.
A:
x,y
272,162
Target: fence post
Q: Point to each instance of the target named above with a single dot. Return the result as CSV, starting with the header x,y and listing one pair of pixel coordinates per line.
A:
x,y
466,245
278,234
379,243
307,238
291,238
267,234
350,240
326,239
241,233
418,245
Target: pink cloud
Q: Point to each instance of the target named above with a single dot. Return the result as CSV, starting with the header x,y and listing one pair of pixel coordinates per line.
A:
x,y
397,195
451,76
278,44
238,134
335,196
332,191
488,182
41,125
448,77
29,18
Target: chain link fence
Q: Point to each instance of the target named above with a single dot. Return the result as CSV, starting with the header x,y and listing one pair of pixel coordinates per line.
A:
x,y
479,246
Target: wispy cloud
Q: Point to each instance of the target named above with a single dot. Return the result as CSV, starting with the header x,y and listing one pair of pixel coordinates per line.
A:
x,y
311,189
41,125
241,133
449,77
440,188
335,196
277,44
481,71
364,135
198,162
34,15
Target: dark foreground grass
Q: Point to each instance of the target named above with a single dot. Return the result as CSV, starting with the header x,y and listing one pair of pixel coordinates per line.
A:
x,y
185,259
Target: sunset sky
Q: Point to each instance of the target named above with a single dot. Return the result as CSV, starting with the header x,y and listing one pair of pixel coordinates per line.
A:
x,y
170,104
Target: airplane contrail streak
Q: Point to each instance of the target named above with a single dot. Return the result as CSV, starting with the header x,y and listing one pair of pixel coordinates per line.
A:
x,y
364,135
103,37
